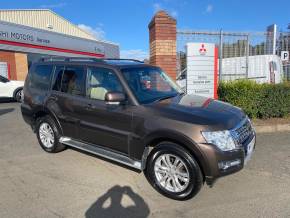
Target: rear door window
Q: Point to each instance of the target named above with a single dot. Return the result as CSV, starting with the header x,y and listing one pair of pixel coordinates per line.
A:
x,y
57,78
69,79
73,80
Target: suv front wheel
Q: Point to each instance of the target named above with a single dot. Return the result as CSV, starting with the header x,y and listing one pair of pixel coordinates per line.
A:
x,y
173,172
48,135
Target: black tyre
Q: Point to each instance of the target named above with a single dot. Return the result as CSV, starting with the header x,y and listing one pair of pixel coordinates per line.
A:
x,y
48,135
173,172
18,95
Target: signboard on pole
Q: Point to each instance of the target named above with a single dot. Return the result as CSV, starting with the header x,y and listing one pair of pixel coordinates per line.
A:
x,y
285,55
202,69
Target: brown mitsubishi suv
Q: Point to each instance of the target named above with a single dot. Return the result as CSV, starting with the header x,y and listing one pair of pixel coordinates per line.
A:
x,y
133,114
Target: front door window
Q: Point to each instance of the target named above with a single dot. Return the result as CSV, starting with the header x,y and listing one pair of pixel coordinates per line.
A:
x,y
100,81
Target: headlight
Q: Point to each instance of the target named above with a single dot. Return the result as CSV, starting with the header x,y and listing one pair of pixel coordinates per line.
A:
x,y
222,139
252,126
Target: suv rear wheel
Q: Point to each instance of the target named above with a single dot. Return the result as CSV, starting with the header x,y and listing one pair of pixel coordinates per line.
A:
x,y
173,172
48,135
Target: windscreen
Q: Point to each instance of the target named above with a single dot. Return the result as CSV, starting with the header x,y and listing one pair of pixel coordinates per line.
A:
x,y
150,84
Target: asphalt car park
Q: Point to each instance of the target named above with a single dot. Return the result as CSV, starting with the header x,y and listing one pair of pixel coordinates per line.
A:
x,y
34,183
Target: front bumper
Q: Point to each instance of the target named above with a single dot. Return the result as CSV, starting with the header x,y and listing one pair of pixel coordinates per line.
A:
x,y
223,163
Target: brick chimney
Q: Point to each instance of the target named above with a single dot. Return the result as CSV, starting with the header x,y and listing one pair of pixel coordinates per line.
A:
x,y
162,36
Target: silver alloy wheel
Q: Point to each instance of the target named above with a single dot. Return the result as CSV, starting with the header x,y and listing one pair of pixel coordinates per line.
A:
x,y
46,135
171,173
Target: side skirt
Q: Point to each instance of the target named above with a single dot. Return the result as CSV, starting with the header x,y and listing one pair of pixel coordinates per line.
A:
x,y
98,150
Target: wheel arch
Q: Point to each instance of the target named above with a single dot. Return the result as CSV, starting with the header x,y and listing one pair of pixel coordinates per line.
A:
x,y
44,112
156,138
16,90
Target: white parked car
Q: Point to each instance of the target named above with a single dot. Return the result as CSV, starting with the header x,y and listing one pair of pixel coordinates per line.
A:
x,y
11,89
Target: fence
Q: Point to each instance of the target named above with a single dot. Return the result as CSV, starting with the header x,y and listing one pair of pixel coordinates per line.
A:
x,y
241,55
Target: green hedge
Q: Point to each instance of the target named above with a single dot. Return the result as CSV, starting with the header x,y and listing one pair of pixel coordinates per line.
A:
x,y
257,100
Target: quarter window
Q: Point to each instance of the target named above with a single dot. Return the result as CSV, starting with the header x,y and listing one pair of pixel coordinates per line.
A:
x,y
41,77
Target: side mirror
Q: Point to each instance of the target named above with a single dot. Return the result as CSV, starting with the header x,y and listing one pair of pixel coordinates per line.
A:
x,y
115,97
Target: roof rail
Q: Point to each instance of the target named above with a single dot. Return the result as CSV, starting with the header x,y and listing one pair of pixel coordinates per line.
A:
x,y
86,59
69,59
122,59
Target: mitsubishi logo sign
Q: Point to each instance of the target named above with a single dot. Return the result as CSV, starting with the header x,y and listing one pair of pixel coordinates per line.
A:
x,y
201,59
202,50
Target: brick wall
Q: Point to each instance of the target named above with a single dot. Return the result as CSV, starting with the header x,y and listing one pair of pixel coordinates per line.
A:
x,y
17,63
162,37
21,66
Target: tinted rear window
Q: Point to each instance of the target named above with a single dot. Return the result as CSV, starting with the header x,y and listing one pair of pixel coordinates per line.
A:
x,y
73,80
69,79
40,78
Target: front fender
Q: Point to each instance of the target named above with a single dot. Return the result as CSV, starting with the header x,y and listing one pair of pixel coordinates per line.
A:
x,y
153,138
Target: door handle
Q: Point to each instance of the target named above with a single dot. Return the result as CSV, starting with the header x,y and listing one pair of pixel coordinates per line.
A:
x,y
53,98
90,107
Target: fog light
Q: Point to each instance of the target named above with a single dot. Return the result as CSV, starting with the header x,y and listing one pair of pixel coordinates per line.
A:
x,y
227,164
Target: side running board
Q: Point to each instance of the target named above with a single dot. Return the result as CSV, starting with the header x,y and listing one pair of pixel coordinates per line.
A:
x,y
95,149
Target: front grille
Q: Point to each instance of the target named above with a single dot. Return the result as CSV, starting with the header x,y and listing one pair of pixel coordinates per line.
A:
x,y
242,132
